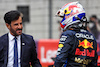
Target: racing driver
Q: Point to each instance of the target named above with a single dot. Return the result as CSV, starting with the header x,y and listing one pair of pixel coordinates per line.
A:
x,y
77,46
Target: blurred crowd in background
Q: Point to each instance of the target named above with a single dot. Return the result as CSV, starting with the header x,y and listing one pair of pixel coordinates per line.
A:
x,y
94,26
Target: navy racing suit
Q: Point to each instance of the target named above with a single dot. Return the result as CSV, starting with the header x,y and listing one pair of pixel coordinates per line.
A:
x,y
77,48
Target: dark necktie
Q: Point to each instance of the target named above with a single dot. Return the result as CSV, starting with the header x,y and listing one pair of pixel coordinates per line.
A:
x,y
15,53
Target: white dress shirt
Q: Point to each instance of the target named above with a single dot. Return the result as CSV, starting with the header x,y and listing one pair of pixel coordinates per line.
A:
x,y
11,50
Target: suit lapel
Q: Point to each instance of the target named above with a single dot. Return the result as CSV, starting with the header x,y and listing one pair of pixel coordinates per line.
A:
x,y
22,48
6,46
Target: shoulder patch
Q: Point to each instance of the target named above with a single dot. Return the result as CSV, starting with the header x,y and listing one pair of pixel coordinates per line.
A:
x,y
63,38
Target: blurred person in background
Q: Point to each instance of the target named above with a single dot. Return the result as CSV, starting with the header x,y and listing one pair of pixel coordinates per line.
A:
x,y
16,48
94,26
77,46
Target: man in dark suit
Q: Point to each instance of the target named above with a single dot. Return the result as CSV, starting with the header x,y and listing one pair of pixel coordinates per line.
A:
x,y
25,52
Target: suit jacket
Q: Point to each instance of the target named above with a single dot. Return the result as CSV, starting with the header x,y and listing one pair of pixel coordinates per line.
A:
x,y
28,51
